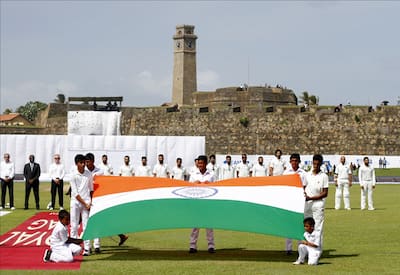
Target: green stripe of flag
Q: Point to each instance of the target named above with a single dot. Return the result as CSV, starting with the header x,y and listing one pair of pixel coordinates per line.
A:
x,y
188,213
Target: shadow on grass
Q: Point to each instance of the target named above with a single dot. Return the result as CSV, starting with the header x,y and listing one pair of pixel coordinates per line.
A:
x,y
112,253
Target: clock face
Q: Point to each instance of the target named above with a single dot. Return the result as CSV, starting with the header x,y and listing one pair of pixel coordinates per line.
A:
x,y
178,44
189,43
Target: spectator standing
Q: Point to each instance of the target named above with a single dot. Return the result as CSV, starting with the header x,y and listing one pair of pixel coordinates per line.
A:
x,y
32,174
7,173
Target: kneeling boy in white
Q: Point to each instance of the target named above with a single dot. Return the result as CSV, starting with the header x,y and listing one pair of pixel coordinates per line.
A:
x,y
63,248
311,246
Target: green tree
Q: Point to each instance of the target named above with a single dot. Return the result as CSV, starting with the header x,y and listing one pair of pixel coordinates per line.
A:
x,y
31,109
314,100
60,98
309,99
7,111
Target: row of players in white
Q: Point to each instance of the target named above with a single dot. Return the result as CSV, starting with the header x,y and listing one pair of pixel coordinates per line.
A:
x,y
225,171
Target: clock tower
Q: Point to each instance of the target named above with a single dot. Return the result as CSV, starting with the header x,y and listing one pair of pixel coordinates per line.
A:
x,y
184,81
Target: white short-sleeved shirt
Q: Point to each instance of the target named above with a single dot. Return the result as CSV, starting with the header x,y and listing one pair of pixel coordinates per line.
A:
x,y
316,183
299,171
126,170
278,166
198,176
343,171
59,235
227,172
81,184
259,170
178,173
243,169
143,171
161,170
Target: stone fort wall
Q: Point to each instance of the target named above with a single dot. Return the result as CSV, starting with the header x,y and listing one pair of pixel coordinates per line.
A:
x,y
255,129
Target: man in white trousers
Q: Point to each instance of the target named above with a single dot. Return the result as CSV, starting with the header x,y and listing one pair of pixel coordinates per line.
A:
x,y
294,168
315,192
343,180
367,179
81,188
202,176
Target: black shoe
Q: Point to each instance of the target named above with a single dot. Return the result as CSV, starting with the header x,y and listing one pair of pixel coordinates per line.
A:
x,y
97,250
192,250
46,256
211,250
86,253
289,252
37,207
122,239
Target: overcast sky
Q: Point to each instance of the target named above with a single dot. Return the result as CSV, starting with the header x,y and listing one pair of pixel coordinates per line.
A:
x,y
340,51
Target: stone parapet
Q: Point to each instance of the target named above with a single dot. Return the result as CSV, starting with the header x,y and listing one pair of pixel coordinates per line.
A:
x,y
354,131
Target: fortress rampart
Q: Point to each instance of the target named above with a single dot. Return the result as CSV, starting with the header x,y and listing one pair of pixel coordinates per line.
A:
x,y
253,129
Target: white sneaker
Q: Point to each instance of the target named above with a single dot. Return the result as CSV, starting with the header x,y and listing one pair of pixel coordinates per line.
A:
x,y
51,208
371,209
1,207
86,253
348,208
297,262
61,208
48,206
13,208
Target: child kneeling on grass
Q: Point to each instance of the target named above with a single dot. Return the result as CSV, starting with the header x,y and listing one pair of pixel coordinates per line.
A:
x,y
311,246
63,248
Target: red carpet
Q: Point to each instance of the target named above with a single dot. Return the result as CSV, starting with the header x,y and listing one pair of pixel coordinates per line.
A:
x,y
23,247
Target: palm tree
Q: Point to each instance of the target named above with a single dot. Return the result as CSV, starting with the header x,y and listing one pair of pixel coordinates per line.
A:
x,y
308,99
305,98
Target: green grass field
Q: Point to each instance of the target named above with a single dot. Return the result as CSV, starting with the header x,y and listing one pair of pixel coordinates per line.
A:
x,y
355,242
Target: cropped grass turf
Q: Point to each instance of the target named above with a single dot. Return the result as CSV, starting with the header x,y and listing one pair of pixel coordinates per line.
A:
x,y
355,242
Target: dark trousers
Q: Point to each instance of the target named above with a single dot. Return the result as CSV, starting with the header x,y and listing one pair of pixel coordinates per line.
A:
x,y
57,188
4,186
28,187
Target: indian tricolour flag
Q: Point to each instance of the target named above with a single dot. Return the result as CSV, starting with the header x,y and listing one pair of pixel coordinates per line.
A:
x,y
266,205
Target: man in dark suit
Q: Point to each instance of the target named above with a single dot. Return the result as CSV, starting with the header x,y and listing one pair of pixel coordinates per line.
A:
x,y
32,174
